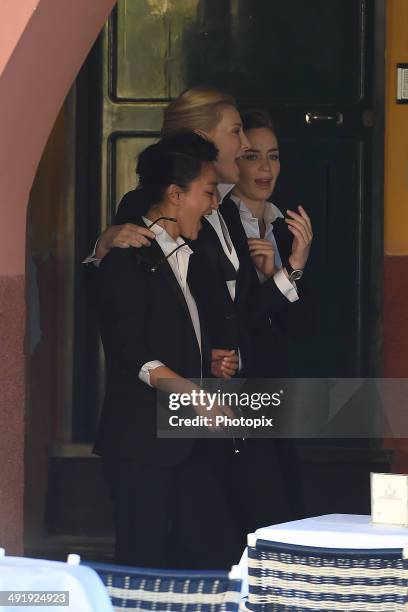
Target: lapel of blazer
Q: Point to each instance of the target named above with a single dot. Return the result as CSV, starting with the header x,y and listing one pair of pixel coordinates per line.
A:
x,y
153,256
204,245
247,273
231,217
209,246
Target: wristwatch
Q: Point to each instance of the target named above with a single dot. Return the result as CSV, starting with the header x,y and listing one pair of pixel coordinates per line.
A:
x,y
294,273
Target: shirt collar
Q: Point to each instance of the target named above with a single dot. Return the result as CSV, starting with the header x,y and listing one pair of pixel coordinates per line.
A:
x,y
271,213
165,241
223,189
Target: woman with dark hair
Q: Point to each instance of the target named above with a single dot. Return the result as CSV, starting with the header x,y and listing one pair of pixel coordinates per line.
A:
x,y
259,169
274,337
162,490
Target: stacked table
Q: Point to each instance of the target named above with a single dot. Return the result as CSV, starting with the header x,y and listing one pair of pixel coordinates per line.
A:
x,y
330,531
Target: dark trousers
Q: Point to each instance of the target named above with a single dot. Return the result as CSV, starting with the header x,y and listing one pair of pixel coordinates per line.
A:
x,y
261,483
272,483
171,516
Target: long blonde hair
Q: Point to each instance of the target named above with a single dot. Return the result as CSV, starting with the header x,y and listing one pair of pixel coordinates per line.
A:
x,y
198,108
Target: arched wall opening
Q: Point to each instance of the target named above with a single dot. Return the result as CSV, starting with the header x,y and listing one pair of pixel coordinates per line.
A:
x,y
43,47
39,59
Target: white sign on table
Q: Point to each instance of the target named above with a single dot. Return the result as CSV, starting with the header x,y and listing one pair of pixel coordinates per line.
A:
x,y
389,499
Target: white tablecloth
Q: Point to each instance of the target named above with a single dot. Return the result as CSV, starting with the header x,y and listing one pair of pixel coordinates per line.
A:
x,y
330,531
86,590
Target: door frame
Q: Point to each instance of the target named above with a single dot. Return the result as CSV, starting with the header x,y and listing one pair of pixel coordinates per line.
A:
x,y
373,306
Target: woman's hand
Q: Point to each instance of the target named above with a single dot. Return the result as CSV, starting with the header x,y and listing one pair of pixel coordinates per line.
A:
x,y
301,228
123,236
224,364
263,255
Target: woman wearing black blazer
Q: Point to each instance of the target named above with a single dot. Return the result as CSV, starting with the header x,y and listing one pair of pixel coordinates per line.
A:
x,y
249,203
275,338
162,490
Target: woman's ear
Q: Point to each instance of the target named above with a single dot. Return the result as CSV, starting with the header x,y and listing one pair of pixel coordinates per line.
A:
x,y
173,193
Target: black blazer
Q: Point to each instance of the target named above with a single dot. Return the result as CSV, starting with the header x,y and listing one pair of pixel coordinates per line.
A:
x,y
143,316
208,270
269,326
259,299
276,326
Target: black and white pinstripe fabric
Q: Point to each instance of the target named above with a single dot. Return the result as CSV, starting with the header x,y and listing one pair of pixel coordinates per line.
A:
x,y
290,578
140,589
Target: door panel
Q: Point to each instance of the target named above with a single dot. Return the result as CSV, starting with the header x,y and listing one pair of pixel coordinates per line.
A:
x,y
290,51
149,59
321,174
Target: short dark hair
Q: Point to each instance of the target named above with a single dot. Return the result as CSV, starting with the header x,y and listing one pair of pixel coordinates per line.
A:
x,y
174,160
257,118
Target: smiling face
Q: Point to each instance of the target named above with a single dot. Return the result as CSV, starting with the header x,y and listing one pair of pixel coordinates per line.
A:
x,y
259,167
230,141
197,200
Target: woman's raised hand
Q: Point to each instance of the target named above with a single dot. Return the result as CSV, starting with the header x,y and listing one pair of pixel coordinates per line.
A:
x,y
123,236
300,226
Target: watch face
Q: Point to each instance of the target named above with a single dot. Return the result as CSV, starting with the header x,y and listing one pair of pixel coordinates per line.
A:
x,y
296,275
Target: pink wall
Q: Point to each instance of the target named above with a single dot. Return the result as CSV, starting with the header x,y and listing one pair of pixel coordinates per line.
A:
x,y
43,45
33,86
16,15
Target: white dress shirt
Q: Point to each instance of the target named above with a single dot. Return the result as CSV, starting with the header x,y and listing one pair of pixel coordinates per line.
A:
x,y
92,258
251,227
179,265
